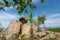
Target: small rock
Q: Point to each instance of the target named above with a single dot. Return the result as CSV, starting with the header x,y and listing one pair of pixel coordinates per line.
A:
x,y
50,36
41,34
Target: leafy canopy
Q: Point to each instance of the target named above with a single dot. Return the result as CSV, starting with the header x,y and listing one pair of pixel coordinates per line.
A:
x,y
20,5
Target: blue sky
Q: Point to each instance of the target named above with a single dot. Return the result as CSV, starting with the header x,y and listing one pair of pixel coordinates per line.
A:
x,y
51,9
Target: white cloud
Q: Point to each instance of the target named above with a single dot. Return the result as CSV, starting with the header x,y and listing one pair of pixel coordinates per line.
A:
x,y
56,20
53,21
6,18
5,15
8,8
54,15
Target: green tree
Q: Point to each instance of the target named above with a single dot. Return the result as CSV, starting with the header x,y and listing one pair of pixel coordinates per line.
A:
x,y
31,22
40,20
43,21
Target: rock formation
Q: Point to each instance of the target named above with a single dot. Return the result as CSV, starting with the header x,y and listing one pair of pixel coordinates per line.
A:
x,y
22,27
2,36
26,28
13,28
35,29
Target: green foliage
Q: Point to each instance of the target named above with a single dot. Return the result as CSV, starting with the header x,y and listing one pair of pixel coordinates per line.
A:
x,y
32,5
40,20
42,1
31,38
20,5
31,18
35,38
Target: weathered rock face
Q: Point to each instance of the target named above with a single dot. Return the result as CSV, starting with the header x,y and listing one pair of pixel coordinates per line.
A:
x,y
2,36
26,28
13,37
40,34
21,27
13,28
48,37
34,29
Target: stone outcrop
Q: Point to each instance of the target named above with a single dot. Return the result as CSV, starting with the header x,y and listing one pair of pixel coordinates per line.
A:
x,y
26,28
22,27
2,36
40,34
34,29
48,37
13,28
16,28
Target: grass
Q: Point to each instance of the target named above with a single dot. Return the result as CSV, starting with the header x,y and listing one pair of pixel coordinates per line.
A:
x,y
54,29
30,38
33,38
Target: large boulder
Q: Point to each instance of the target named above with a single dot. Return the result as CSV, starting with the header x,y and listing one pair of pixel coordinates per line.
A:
x,y
2,36
26,28
35,28
13,28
